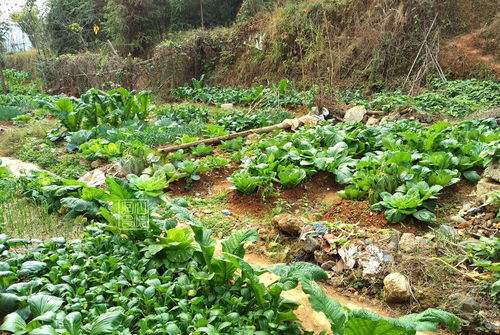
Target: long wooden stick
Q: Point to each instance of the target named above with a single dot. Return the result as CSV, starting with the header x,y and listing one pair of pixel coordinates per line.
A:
x,y
420,50
215,140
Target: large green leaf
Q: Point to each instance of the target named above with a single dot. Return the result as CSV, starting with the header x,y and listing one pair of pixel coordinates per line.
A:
x,y
79,207
425,216
250,275
362,321
73,323
430,319
41,304
43,330
359,326
236,242
320,302
291,275
204,239
118,189
8,303
177,245
31,267
13,323
105,324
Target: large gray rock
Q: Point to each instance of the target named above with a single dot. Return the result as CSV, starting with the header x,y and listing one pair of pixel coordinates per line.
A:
x,y
396,288
289,224
94,178
356,113
448,231
492,172
462,303
394,241
311,244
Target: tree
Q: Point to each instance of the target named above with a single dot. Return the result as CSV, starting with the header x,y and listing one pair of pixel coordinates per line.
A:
x,y
4,29
28,19
70,25
135,26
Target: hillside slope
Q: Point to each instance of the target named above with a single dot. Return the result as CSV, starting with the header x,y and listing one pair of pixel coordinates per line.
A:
x,y
370,44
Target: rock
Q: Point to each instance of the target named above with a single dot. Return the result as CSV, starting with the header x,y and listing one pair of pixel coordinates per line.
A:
x,y
289,224
356,113
94,178
328,265
391,117
95,164
311,244
394,242
227,106
485,186
339,266
372,121
449,231
396,288
462,303
458,219
114,169
492,172
410,242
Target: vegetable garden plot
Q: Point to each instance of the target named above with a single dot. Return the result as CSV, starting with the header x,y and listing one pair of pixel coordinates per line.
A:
x,y
146,284
400,166
161,277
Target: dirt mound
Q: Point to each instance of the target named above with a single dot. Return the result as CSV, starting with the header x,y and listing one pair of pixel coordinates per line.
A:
x,y
474,54
359,212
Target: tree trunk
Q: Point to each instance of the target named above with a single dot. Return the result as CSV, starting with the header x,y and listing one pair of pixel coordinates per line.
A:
x,y
201,15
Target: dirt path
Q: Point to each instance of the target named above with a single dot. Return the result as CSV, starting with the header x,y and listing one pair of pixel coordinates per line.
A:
x,y
19,168
310,319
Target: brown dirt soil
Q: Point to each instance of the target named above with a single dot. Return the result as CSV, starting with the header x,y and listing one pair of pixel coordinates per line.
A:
x,y
433,282
353,212
319,190
248,205
472,54
211,182
452,198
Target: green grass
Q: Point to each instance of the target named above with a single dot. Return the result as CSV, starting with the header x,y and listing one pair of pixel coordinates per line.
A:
x,y
220,224
21,219
15,138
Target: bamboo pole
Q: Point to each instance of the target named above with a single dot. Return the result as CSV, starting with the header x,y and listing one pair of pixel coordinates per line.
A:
x,y
216,140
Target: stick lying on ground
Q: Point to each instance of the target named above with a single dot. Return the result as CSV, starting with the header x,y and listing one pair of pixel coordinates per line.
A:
x,y
287,124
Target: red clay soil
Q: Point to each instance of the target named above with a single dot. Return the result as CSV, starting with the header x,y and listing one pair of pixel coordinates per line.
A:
x,y
248,205
211,182
320,189
354,212
470,54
